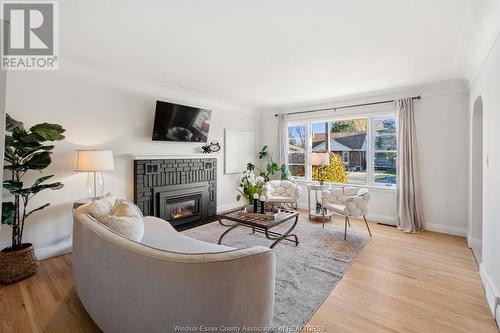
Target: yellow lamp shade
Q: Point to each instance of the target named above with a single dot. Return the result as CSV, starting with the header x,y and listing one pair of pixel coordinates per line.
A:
x,y
318,159
94,160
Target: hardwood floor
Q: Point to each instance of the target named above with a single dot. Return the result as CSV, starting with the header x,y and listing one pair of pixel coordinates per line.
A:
x,y
426,282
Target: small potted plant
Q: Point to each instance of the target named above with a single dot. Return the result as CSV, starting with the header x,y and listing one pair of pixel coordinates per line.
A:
x,y
25,150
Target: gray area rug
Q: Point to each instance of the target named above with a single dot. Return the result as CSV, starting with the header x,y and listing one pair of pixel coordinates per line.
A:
x,y
305,274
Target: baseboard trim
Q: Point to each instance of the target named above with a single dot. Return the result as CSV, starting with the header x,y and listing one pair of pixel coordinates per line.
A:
x,y
497,316
54,250
446,229
384,219
492,295
227,207
474,243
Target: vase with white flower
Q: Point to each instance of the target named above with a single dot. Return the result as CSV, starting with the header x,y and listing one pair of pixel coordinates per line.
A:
x,y
250,184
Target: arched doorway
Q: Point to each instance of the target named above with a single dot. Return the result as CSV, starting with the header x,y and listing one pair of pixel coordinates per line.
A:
x,y
476,186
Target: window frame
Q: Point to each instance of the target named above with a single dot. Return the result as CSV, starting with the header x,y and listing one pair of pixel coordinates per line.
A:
x,y
375,151
306,148
370,144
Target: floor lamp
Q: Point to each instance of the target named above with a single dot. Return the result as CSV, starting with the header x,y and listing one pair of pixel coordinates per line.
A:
x,y
93,162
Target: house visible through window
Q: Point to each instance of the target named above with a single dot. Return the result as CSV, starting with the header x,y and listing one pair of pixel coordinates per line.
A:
x,y
348,140
297,139
384,150
366,146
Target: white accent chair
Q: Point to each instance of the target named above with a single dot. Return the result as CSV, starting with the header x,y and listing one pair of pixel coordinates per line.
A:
x,y
282,192
349,202
168,279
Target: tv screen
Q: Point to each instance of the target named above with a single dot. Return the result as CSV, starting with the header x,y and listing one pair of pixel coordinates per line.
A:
x,y
174,122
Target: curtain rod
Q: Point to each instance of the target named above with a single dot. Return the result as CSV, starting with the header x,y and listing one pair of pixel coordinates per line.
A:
x,y
335,108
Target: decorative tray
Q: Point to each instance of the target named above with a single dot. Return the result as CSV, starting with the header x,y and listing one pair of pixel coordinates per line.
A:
x,y
254,216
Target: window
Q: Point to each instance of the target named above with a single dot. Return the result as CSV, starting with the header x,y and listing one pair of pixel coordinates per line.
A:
x,y
348,140
384,150
366,146
297,140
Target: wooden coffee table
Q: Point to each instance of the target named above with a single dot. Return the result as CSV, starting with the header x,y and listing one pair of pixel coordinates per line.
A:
x,y
262,224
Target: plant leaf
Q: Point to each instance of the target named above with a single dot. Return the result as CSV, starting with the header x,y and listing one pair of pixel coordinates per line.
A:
x,y
37,161
263,152
12,185
41,180
37,209
12,125
8,213
30,138
250,167
48,132
38,188
26,151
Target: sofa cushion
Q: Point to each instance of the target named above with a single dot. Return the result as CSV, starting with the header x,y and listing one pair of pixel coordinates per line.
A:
x,y
160,234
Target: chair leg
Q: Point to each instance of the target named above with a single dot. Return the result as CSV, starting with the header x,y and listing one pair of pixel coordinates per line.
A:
x,y
367,227
345,227
348,221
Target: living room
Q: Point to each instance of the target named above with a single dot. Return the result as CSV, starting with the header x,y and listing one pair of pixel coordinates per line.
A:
x,y
339,172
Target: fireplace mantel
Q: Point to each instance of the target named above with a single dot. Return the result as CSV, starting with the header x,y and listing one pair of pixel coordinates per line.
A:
x,y
175,156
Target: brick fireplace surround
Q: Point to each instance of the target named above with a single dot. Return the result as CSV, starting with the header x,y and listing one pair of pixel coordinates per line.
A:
x,y
181,191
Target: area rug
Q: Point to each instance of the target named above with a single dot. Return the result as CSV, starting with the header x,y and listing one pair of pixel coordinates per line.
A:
x,y
305,274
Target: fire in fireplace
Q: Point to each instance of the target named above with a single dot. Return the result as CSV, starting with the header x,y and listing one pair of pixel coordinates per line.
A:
x,y
182,209
182,205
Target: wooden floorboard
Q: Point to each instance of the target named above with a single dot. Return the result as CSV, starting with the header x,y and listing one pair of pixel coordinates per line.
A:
x,y
426,282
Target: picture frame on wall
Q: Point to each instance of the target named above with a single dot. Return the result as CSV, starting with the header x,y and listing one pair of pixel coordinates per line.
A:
x,y
239,149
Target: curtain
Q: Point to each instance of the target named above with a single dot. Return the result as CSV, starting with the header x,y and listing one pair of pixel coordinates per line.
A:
x,y
283,138
409,208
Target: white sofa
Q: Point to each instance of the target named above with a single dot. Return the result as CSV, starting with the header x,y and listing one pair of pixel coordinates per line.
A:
x,y
168,279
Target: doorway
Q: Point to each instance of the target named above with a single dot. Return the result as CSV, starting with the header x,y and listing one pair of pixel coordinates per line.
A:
x,y
476,191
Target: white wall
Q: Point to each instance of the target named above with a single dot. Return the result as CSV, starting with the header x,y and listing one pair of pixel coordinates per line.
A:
x,y
442,137
3,92
102,110
487,85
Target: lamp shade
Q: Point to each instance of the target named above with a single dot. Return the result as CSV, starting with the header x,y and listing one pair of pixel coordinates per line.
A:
x,y
94,160
318,159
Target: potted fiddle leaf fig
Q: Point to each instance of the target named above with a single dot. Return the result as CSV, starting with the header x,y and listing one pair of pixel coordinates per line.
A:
x,y
25,151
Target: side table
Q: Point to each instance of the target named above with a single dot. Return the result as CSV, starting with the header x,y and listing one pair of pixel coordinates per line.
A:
x,y
324,213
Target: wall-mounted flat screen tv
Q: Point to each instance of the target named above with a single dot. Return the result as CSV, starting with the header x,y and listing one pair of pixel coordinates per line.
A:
x,y
175,122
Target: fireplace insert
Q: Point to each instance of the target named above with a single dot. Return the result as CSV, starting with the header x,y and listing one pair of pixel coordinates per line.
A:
x,y
182,204
185,209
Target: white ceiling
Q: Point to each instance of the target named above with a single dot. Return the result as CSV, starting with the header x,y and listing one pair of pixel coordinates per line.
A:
x,y
269,53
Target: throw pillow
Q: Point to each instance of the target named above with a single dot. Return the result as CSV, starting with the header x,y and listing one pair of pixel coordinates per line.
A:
x,y
101,208
127,226
125,218
125,208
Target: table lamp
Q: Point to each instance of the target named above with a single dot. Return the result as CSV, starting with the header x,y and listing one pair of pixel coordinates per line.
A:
x,y
320,160
93,162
